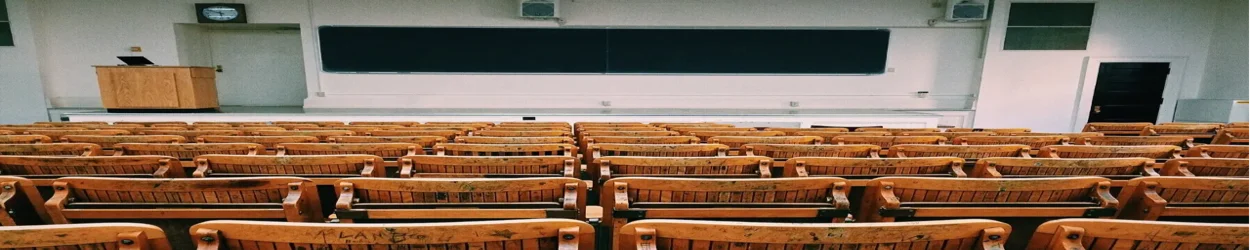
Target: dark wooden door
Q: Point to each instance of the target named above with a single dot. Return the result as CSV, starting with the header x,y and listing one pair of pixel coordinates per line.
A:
x,y
1128,92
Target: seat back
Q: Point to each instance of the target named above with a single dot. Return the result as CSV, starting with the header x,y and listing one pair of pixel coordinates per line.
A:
x,y
1116,128
949,135
641,140
107,141
1072,136
686,130
488,166
24,128
1111,168
888,198
85,236
537,234
503,133
1180,141
358,129
898,130
22,203
1032,141
374,200
528,128
695,167
424,141
816,199
961,151
385,150
1239,136
705,136
514,140
370,123
1150,198
992,130
51,149
1100,234
267,141
57,134
294,126
781,152
321,168
322,135
449,135
828,135
885,142
24,139
459,149
192,135
736,142
1238,125
1083,151
599,150
1217,167
1194,130
1219,151
188,151
534,124
583,135
244,130
867,168
44,168
682,234
318,123
795,131
88,198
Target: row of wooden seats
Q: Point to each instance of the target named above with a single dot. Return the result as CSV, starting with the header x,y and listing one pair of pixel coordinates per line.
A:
x,y
553,234
1218,133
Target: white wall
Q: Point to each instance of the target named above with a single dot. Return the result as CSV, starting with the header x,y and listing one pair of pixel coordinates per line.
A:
x,y
1226,74
1039,89
941,60
21,88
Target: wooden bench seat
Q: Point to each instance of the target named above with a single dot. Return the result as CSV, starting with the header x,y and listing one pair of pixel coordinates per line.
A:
x,y
684,234
44,169
1207,167
22,203
52,149
536,234
1119,170
382,200
514,140
1116,128
1152,198
128,236
693,167
321,169
1102,234
24,139
891,198
438,166
1219,151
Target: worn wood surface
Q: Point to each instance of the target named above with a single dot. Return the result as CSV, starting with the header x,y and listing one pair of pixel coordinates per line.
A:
x,y
192,135
400,123
85,236
1112,168
599,150
529,128
57,134
683,234
1032,141
43,168
885,142
427,141
1116,128
736,142
385,150
1232,136
267,141
358,129
1219,167
950,136
460,149
700,167
322,135
828,136
21,202
706,135
981,197
898,130
1180,141
461,198
1195,131
51,149
188,151
1219,151
286,198
538,234
24,139
1149,198
781,152
318,123
323,169
108,141
502,133
1101,234
1084,151
867,168
449,134
725,198
961,151
24,128
795,131
993,130
455,166
514,140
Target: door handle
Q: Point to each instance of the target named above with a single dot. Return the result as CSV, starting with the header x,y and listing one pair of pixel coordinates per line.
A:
x,y
1097,109
218,69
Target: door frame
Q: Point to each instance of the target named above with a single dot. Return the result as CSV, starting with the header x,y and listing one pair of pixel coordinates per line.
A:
x,y
1089,79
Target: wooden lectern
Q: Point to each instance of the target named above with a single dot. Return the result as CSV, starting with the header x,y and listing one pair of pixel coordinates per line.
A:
x,y
179,88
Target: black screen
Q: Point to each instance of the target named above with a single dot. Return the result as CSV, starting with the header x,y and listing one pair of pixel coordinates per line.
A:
x,y
376,49
538,50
